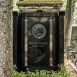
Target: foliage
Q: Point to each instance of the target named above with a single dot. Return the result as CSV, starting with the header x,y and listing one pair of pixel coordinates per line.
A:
x,y
15,7
74,1
15,67
64,5
75,15
42,73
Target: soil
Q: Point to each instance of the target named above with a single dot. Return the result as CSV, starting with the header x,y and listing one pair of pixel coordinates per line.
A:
x,y
69,68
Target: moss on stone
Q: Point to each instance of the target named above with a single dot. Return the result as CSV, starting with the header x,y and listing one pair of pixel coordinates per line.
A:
x,y
39,2
27,1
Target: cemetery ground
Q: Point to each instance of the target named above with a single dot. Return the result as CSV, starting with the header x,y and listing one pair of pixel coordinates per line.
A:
x,y
69,70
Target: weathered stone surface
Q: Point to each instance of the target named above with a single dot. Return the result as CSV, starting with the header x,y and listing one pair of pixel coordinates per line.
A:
x,y
74,61
74,36
76,64
6,38
76,56
40,3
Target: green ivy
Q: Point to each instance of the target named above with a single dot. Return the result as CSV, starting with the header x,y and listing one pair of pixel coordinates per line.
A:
x,y
42,73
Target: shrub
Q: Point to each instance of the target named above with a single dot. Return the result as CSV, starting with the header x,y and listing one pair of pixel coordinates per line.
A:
x,y
42,73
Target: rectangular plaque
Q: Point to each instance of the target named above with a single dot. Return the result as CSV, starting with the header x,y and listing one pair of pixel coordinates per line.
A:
x,y
38,41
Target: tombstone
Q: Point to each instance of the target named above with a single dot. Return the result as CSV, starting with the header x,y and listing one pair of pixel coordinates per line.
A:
x,y
76,55
38,35
76,64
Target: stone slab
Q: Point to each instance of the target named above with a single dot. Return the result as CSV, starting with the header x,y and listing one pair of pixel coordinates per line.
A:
x,y
39,3
76,64
76,56
74,67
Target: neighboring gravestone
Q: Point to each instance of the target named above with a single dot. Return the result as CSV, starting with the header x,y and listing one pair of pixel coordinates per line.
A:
x,y
76,64
37,16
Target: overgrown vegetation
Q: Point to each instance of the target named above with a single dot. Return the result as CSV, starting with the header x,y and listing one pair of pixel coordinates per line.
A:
x,y
42,73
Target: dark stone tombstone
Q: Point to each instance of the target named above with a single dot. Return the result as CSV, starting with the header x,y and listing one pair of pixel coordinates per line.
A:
x,y
38,33
38,40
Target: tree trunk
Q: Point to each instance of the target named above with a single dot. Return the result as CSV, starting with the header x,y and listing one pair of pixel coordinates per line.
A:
x,y
68,22
6,62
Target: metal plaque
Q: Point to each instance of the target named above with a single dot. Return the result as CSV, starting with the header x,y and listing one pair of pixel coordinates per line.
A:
x,y
38,31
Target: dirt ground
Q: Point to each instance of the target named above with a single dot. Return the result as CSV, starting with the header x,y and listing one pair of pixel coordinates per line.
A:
x,y
68,67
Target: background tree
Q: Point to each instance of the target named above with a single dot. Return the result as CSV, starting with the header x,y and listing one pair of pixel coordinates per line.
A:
x,y
75,15
6,62
69,15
